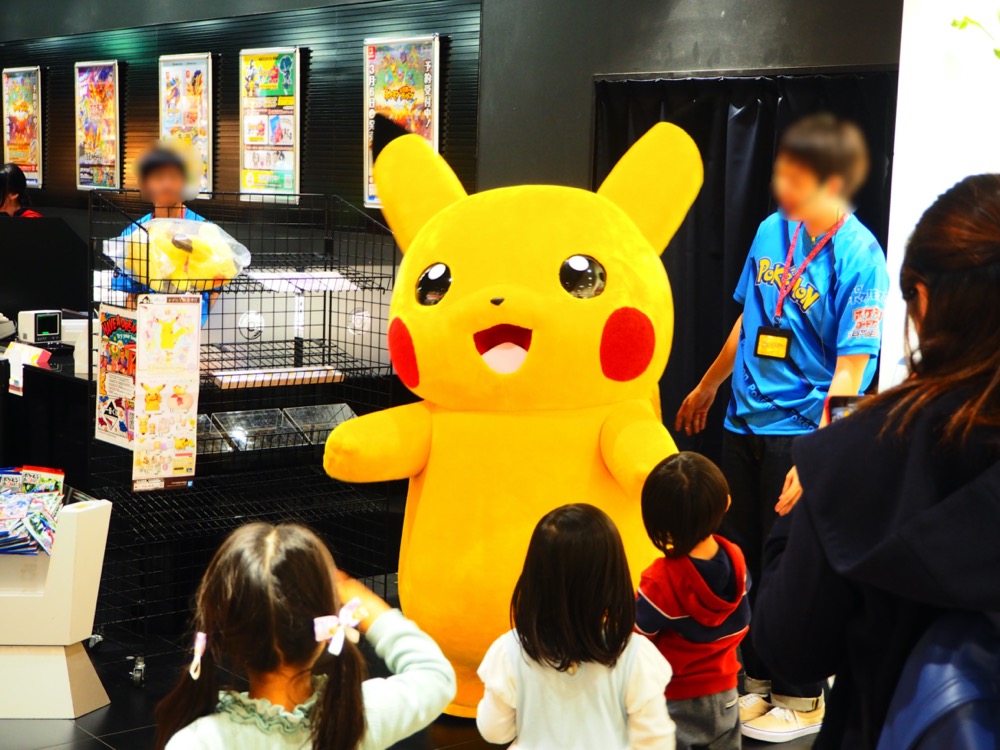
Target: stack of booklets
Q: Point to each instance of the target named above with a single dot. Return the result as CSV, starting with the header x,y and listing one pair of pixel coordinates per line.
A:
x,y
30,500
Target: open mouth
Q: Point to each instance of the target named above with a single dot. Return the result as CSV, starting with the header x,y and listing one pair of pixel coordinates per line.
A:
x,y
503,347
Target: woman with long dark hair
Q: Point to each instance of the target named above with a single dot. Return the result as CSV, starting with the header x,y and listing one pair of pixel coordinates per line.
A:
x,y
899,520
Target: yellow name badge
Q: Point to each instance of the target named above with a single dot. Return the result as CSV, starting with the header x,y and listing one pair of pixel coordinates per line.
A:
x,y
773,343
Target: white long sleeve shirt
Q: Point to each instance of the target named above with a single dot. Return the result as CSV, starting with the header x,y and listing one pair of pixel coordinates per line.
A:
x,y
539,708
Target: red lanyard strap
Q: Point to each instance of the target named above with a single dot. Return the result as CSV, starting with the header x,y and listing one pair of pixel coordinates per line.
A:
x,y
786,289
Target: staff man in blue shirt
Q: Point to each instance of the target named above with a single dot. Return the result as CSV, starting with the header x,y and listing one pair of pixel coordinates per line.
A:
x,y
813,292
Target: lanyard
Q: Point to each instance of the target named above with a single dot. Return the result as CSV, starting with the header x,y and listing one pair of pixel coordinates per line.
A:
x,y
786,289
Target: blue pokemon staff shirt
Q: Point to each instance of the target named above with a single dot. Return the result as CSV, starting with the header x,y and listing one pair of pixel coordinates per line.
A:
x,y
122,282
834,309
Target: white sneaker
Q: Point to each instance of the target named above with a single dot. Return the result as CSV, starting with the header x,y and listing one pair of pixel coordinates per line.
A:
x,y
784,724
753,706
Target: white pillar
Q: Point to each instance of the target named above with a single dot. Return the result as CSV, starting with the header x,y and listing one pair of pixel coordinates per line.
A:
x,y
947,127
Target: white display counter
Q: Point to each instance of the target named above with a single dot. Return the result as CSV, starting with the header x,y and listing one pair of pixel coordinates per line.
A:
x,y
47,607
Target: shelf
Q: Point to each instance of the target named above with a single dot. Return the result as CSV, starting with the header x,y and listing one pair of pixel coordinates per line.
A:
x,y
217,505
259,364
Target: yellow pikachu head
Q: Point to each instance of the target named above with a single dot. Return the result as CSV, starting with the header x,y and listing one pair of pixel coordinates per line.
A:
x,y
534,297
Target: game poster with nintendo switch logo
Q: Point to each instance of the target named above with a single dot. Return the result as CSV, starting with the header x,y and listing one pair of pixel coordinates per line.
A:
x,y
186,112
269,124
98,154
22,122
401,83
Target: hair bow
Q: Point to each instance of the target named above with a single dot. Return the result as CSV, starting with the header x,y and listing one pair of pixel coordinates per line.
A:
x,y
339,628
200,641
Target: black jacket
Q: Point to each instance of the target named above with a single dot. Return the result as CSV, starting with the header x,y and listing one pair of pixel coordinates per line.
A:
x,y
889,533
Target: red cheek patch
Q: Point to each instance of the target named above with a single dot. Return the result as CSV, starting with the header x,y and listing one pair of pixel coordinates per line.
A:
x,y
627,344
404,357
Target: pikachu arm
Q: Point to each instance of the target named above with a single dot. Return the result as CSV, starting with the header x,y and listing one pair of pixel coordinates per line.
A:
x,y
633,442
382,446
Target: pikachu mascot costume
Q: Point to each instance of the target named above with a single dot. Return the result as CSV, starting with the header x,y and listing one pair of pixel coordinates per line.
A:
x,y
535,322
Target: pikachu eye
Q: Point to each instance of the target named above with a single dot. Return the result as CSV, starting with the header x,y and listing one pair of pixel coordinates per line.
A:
x,y
582,276
433,284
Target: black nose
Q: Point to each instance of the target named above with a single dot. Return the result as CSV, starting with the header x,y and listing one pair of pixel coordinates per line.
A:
x,y
497,301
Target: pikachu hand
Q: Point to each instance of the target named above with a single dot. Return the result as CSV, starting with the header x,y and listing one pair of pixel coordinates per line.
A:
x,y
379,447
341,448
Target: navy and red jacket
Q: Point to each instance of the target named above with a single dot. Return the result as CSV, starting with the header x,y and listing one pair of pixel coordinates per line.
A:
x,y
696,626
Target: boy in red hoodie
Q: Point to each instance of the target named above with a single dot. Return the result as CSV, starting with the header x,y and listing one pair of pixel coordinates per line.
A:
x,y
692,602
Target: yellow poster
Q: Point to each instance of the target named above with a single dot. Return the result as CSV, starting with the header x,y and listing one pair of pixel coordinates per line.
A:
x,y
269,123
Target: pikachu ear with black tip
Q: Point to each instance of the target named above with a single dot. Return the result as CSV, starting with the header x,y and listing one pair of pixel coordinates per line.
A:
x,y
656,182
414,184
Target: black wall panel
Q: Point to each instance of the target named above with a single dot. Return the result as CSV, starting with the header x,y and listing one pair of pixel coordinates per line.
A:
x,y
540,59
333,117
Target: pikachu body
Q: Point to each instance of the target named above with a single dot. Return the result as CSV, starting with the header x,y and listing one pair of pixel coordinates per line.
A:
x,y
535,323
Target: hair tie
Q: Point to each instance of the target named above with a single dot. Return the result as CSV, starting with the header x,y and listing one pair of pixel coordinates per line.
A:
x,y
338,628
200,641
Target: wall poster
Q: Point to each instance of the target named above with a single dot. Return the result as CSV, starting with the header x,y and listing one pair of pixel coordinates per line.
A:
x,y
186,111
98,151
401,83
116,376
269,123
166,409
147,387
22,121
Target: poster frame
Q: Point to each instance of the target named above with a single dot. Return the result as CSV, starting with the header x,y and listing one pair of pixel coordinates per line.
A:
x,y
37,69
293,197
118,124
435,39
205,57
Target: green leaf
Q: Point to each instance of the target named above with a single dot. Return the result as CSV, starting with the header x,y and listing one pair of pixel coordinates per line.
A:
x,y
961,23
996,52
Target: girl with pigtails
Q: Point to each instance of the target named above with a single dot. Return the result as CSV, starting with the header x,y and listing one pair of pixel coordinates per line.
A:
x,y
273,606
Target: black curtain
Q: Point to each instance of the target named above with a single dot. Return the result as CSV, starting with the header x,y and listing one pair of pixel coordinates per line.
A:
x,y
736,123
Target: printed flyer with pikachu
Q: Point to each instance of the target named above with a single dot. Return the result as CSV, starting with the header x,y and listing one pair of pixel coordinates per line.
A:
x,y
166,404
147,396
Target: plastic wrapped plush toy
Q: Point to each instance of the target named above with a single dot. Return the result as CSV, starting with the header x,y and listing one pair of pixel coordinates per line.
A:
x,y
535,322
179,255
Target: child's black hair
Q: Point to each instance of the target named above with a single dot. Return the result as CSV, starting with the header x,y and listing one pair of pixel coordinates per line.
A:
x,y
684,500
13,182
158,158
574,601
256,605
829,147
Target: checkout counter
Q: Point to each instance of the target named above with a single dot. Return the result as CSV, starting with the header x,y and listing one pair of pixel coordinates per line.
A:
x,y
47,266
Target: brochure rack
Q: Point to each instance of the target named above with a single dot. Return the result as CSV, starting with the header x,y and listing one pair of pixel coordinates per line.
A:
x,y
302,327
48,606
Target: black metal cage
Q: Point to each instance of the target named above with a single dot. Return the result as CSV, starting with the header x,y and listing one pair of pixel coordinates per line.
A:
x,y
290,347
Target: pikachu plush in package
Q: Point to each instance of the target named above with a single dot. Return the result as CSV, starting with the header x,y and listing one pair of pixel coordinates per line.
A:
x,y
535,322
179,255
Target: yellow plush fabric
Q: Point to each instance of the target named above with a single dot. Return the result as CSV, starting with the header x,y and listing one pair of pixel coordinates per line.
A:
x,y
180,256
489,451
